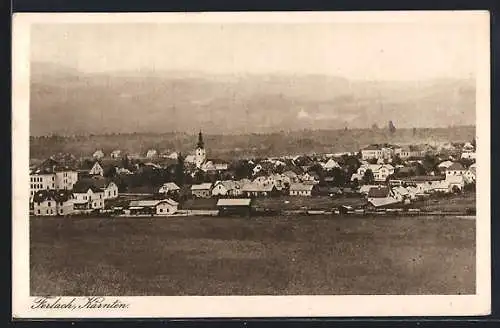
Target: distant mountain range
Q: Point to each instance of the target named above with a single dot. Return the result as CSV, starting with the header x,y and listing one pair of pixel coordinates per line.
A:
x,y
67,102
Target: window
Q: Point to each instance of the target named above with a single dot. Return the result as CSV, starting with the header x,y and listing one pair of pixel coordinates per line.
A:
x,y
48,204
161,210
168,210
84,197
53,178
61,211
38,211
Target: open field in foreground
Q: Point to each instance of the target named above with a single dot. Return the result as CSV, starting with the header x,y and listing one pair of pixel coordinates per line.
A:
x,y
266,256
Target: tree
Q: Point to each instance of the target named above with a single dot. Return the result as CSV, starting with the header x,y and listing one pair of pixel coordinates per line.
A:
x,y
179,171
374,126
110,172
242,170
338,177
396,160
392,128
429,162
420,169
473,143
368,177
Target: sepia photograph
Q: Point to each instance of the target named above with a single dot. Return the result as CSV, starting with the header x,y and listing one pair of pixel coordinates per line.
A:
x,y
253,164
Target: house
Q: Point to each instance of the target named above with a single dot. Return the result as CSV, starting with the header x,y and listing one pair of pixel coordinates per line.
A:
x,y
226,188
124,171
371,152
65,178
116,154
311,177
97,169
190,159
264,180
202,190
41,181
381,197
107,186
166,207
470,174
212,165
169,188
455,169
256,190
98,154
87,196
163,207
237,206
380,172
51,175
468,151
401,193
53,202
152,154
428,184
301,189
410,151
280,180
331,164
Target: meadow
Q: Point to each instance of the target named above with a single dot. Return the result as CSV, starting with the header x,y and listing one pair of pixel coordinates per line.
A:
x,y
256,256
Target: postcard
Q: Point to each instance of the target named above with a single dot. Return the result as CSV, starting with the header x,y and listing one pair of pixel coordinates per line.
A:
x,y
263,164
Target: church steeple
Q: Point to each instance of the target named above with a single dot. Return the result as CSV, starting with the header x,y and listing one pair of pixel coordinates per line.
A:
x,y
200,144
200,151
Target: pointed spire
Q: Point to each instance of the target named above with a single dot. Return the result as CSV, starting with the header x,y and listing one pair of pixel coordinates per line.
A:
x,y
200,140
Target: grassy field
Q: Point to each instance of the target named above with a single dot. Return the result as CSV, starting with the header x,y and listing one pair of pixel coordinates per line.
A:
x,y
258,256
453,203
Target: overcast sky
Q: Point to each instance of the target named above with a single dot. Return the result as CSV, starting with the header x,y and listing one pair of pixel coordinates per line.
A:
x,y
374,51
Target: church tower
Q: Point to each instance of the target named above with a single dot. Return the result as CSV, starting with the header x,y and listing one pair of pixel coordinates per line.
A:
x,y
200,151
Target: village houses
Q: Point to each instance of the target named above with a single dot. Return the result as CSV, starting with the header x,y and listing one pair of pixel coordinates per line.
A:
x,y
53,202
116,154
51,175
226,188
301,189
380,171
88,196
169,188
152,154
381,196
164,207
203,190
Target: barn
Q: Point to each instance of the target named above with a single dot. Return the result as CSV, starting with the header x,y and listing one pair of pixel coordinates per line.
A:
x,y
236,206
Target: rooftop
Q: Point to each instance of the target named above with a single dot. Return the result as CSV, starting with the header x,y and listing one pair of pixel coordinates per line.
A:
x,y
234,202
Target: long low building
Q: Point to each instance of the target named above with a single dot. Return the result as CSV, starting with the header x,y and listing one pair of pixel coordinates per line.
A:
x,y
238,206
163,207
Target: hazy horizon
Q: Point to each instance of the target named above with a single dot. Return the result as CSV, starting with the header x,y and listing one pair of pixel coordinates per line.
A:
x,y
251,77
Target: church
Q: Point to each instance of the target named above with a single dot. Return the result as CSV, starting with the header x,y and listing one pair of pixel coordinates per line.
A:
x,y
200,154
199,159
